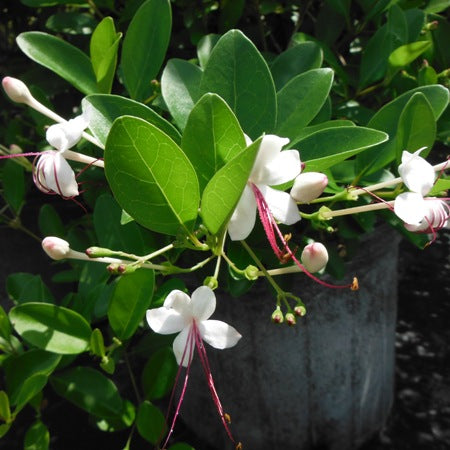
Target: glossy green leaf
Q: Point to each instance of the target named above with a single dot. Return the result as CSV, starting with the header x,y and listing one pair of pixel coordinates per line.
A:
x,y
26,287
31,387
322,126
295,60
180,88
150,422
141,158
327,147
224,190
104,46
204,48
239,74
60,57
5,325
90,390
4,427
37,437
300,100
5,410
102,110
387,118
415,19
13,183
159,374
416,126
212,137
123,420
130,300
97,344
52,328
426,76
144,47
407,53
50,223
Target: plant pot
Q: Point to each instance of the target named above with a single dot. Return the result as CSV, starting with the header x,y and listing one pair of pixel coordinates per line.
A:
x,y
325,383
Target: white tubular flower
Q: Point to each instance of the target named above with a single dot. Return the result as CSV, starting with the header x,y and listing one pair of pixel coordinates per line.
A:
x,y
16,90
308,186
55,247
53,174
272,167
437,214
189,316
314,257
65,135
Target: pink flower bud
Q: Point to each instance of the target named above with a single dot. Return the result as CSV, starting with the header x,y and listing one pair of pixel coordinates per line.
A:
x,y
16,90
55,247
314,257
308,186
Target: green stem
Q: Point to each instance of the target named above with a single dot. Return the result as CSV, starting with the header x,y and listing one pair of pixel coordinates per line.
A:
x,y
133,380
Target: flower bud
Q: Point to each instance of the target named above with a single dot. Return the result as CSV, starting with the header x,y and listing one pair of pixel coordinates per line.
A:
x,y
211,282
277,316
98,252
55,247
290,319
308,186
300,310
16,90
251,273
314,257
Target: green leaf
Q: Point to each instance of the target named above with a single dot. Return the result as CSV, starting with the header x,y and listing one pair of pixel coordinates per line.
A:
x,y
180,88
144,47
159,374
50,224
224,190
295,60
90,390
327,147
212,137
321,126
130,300
102,110
123,420
26,374
104,46
4,427
150,422
97,344
230,13
204,48
5,325
300,100
5,410
416,126
37,437
407,53
52,328
71,22
141,158
26,287
60,57
239,74
13,182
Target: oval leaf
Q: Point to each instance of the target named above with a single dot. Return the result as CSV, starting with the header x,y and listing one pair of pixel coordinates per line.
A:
x,y
37,437
150,422
52,328
150,176
159,374
239,74
144,47
60,57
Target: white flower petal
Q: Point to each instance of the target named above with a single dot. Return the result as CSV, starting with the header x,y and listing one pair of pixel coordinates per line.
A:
x,y
281,204
218,334
410,207
63,136
203,302
269,149
55,173
180,302
180,349
243,219
285,167
165,321
416,172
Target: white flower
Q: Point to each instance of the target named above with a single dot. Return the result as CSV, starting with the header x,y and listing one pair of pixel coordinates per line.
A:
x,y
189,316
55,247
308,186
418,176
65,135
436,216
53,174
16,90
314,257
272,167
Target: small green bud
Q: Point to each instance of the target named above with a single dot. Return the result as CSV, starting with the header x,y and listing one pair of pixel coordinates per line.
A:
x,y
277,316
300,310
290,319
98,252
251,273
211,282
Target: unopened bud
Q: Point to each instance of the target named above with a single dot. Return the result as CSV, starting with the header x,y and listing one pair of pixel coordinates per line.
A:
x,y
211,282
300,310
16,90
120,269
290,319
430,26
277,316
98,252
113,269
55,247
314,257
308,186
251,273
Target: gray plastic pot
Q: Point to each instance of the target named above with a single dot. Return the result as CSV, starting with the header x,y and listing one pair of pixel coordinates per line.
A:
x,y
326,383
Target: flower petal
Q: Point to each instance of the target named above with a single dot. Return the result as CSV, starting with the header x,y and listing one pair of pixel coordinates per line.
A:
x,y
417,173
203,303
285,167
281,204
410,207
243,219
180,302
218,334
269,149
184,344
165,321
65,135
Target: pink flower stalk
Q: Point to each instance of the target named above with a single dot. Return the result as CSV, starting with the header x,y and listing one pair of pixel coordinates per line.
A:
x,y
190,317
283,252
